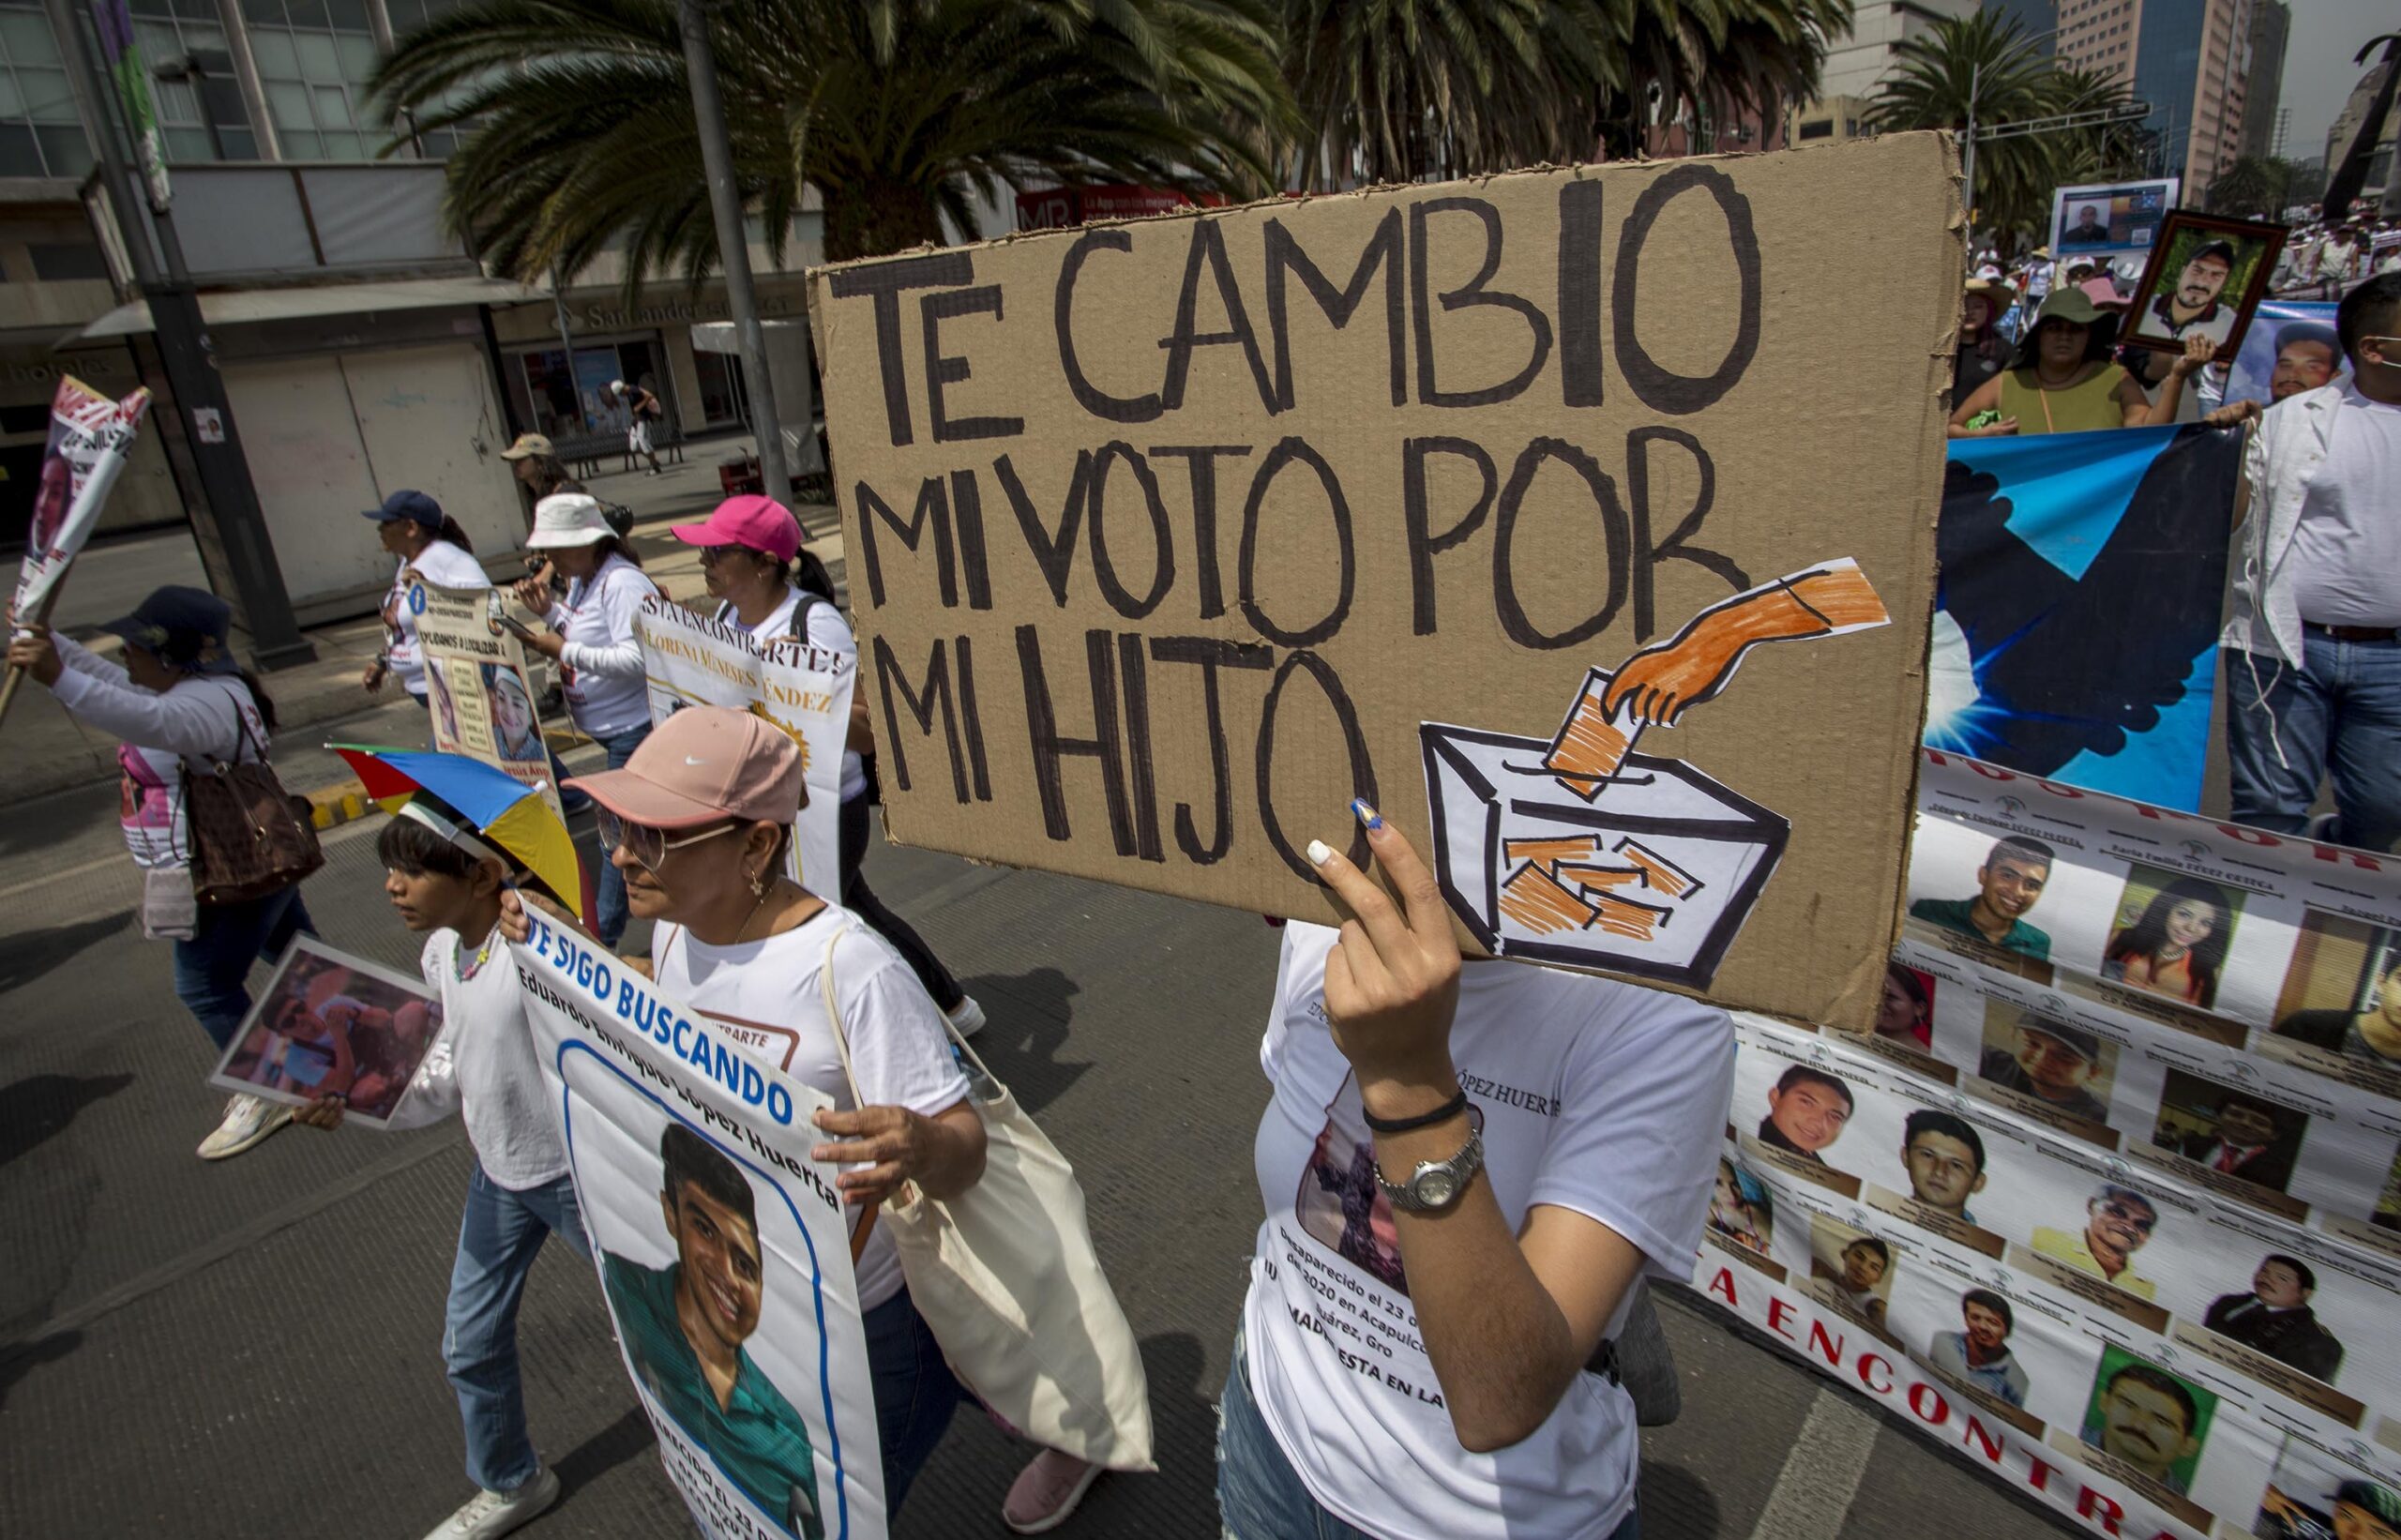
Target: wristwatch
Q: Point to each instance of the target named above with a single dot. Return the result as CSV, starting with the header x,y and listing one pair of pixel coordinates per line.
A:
x,y
1435,1185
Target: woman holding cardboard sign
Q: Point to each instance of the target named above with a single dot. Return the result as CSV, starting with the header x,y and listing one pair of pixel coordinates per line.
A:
x,y
1521,1224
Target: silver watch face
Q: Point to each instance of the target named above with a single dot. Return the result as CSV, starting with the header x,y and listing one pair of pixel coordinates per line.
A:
x,y
1433,1188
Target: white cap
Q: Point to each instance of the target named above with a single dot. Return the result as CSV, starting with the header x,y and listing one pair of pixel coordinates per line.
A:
x,y
617,385
567,518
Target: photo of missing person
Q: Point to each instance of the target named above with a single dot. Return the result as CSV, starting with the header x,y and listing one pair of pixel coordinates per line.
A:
x,y
2065,1068
1944,1156
2229,1131
1855,1266
330,1025
2205,277
684,1326
2088,225
2154,1421
2275,1317
2342,992
2388,1202
2170,935
446,710
2118,1222
2008,883
1340,1202
1807,1109
1905,1012
516,727
1978,1353
1742,1209
2307,1500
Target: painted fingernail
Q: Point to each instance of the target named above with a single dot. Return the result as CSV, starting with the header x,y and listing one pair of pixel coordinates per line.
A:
x,y
1366,815
1320,853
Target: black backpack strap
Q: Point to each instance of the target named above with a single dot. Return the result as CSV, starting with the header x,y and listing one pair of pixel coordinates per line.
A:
x,y
800,613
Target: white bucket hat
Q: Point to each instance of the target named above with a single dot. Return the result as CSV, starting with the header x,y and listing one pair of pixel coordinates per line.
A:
x,y
567,518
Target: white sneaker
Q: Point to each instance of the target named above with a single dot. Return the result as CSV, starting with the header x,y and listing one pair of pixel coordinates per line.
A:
x,y
248,1120
490,1514
968,1019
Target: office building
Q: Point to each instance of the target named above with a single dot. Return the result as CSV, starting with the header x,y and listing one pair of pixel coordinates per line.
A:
x,y
1857,65
2263,97
2189,59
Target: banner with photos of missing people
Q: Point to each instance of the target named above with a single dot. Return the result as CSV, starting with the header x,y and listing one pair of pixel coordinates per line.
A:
x,y
2110,1200
689,1147
690,660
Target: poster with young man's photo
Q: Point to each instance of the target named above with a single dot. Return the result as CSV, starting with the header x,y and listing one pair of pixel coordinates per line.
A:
x,y
723,1250
2206,276
330,1024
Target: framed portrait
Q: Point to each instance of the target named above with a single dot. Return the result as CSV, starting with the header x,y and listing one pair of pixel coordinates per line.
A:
x,y
2205,279
330,1024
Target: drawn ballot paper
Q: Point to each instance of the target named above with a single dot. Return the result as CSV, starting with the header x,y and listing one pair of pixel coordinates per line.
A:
x,y
1580,850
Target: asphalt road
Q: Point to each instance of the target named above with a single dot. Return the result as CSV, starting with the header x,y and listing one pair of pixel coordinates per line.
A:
x,y
253,1349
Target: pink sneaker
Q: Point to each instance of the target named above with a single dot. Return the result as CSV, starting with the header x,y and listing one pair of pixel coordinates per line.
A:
x,y
1046,1492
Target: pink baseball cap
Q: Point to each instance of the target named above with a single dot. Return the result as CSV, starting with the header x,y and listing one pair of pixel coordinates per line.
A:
x,y
759,523
703,766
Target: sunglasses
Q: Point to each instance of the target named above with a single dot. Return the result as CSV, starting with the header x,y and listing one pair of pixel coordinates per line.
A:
x,y
711,555
646,845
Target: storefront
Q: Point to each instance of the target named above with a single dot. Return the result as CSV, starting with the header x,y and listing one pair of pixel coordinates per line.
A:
x,y
648,344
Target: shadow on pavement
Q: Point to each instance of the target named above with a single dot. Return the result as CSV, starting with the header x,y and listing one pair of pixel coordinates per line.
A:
x,y
39,1107
18,1362
1676,1505
25,957
628,1438
1027,1017
1183,1420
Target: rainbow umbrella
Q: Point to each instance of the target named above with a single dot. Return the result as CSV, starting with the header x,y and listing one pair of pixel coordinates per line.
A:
x,y
502,809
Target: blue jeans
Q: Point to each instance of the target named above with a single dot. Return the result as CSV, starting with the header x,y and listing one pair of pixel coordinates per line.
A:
x,y
213,968
499,1236
610,883
2340,712
1260,1497
914,1392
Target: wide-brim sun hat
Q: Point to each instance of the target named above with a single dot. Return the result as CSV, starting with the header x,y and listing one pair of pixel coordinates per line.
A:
x,y
704,765
567,519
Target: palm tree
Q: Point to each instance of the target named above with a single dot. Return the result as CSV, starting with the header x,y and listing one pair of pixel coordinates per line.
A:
x,y
1981,67
2256,186
1396,90
899,113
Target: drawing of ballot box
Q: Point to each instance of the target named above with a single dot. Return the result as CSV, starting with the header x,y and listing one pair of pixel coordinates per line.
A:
x,y
1652,877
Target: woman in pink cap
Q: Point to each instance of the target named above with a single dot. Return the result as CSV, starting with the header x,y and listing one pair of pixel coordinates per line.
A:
x,y
697,822
748,550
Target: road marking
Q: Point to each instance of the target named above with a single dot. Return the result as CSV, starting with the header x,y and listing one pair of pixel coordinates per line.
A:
x,y
1821,1474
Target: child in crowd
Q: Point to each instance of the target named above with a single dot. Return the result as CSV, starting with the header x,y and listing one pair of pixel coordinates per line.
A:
x,y
446,883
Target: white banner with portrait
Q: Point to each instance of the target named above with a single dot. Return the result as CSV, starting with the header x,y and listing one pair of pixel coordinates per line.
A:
x,y
723,1250
2107,1200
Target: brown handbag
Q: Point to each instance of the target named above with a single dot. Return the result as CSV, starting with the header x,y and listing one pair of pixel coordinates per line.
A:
x,y
249,837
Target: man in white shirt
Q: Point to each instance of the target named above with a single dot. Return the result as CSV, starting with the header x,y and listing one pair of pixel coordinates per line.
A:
x,y
2314,634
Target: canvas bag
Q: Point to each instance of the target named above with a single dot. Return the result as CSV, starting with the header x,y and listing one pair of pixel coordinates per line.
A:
x,y
249,837
1007,1280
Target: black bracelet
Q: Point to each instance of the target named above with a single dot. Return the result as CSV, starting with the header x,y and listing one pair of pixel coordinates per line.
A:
x,y
1443,1113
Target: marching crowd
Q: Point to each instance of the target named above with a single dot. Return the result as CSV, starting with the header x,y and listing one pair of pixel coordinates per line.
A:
x,y
1519,1230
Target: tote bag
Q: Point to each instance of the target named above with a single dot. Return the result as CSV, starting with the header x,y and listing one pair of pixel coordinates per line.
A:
x,y
1007,1277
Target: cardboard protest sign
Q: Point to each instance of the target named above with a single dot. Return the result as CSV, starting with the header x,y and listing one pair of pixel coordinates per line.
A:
x,y
690,1158
804,689
330,1024
1431,496
477,688
90,435
2076,621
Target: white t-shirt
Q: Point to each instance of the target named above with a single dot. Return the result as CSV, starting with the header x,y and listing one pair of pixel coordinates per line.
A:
x,y
600,669
2345,556
444,566
898,1048
826,629
491,1051
1596,1096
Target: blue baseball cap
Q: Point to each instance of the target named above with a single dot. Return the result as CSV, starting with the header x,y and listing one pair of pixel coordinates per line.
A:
x,y
405,503
188,627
